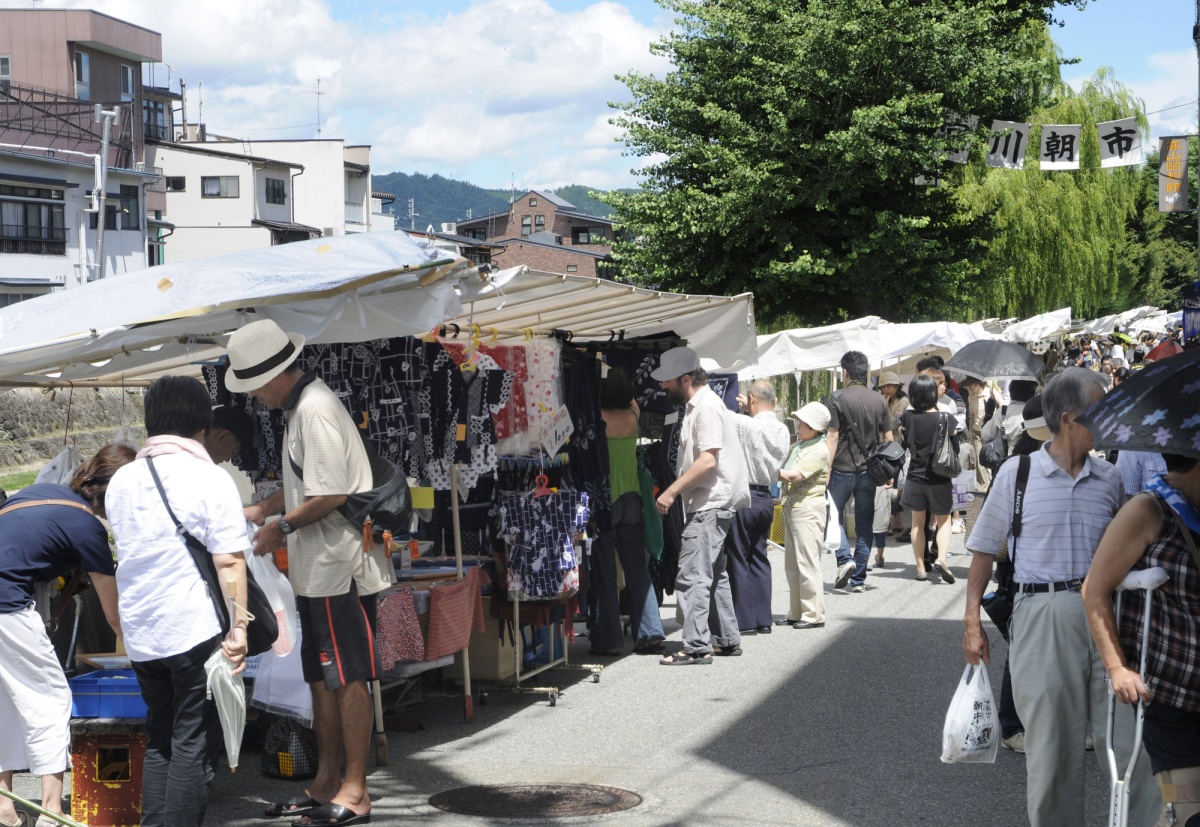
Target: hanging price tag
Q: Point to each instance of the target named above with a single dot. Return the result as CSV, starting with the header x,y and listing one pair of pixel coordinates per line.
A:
x,y
557,431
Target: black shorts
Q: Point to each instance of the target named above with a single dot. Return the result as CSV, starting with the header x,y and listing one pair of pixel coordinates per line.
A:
x,y
933,498
337,641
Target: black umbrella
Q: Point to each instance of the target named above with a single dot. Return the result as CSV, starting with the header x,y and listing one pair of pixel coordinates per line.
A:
x,y
1157,409
993,359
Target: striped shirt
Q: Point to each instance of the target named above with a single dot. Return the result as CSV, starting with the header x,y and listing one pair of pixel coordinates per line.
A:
x,y
765,445
324,557
1138,468
1063,521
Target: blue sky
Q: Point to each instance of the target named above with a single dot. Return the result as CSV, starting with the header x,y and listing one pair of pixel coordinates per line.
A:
x,y
515,92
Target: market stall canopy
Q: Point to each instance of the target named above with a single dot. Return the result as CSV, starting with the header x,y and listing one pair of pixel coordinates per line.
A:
x,y
1036,328
349,288
717,327
898,341
805,349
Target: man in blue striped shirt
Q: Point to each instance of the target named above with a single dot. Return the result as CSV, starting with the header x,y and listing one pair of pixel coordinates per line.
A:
x,y
1057,675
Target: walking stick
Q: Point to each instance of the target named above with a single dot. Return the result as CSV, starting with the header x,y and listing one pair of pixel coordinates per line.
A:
x,y
40,810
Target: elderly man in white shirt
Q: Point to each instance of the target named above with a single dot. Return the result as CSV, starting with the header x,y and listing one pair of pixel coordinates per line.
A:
x,y
764,439
1058,677
711,481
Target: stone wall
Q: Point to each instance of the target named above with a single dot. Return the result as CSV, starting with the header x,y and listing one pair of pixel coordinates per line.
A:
x,y
33,422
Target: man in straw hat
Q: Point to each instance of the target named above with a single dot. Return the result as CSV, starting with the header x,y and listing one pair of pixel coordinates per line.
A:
x,y
712,483
324,462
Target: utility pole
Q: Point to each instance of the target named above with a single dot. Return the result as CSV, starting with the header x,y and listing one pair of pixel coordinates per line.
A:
x,y
105,118
412,208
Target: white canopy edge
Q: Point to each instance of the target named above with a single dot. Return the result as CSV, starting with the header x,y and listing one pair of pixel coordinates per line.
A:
x,y
1036,328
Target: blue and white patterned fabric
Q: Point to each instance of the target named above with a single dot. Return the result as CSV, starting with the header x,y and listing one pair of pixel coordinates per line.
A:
x,y
542,558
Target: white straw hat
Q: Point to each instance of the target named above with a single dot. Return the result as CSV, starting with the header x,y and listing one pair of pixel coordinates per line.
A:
x,y
814,415
258,353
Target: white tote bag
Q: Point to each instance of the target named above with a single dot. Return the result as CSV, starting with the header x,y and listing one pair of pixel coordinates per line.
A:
x,y
833,525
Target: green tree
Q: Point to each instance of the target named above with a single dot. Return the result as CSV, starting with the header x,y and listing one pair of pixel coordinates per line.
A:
x,y
782,147
1060,237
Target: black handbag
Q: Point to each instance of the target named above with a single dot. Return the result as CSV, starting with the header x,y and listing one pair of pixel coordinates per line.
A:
x,y
388,503
998,604
263,629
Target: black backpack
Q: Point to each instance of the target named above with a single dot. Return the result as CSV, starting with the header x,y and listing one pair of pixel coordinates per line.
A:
x,y
388,504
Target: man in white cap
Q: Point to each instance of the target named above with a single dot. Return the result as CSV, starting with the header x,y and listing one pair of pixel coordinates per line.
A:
x,y
324,462
712,483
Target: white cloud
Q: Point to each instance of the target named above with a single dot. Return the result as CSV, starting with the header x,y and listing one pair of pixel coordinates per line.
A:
x,y
502,85
1168,86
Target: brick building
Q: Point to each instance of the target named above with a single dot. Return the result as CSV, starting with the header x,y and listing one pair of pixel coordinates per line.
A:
x,y
536,213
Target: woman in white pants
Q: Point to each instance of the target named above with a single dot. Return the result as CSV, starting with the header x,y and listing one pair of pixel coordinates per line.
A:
x,y
46,531
805,474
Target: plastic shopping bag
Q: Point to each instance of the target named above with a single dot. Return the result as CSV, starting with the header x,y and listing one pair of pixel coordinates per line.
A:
x,y
972,731
279,594
833,526
60,469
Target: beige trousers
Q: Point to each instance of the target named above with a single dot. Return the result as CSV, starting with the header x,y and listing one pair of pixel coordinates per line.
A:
x,y
1059,688
803,541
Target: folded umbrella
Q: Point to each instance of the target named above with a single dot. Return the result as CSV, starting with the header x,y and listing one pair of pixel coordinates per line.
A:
x,y
1157,409
989,359
229,693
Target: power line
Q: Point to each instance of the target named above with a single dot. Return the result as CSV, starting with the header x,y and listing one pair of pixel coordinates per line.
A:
x,y
1169,108
258,128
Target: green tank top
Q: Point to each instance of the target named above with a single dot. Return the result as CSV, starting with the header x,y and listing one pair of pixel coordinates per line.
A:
x,y
622,465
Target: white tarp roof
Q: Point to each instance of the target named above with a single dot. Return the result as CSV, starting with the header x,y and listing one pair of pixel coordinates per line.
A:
x,y
897,341
342,289
1036,328
805,349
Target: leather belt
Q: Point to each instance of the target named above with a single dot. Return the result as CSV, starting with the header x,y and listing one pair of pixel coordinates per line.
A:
x,y
765,489
1042,588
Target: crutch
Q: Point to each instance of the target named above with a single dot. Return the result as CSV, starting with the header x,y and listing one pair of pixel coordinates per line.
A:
x,y
1118,809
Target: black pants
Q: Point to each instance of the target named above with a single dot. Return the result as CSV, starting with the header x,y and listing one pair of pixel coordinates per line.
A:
x,y
183,735
749,568
1172,738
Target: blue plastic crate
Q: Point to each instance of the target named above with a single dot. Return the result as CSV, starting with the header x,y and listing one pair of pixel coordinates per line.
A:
x,y
107,693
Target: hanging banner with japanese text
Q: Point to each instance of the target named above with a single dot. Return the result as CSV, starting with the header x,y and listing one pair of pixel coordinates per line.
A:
x,y
1007,148
1060,146
957,131
1120,143
1172,174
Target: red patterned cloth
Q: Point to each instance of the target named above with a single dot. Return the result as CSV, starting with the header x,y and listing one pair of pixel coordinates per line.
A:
x,y
454,612
399,630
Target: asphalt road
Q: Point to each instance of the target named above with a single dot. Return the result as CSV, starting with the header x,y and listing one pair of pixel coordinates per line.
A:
x,y
838,727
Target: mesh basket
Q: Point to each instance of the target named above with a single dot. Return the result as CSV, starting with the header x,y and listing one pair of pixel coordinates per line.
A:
x,y
777,526
289,750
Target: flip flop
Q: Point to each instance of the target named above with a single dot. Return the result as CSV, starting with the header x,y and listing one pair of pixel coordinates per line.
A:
x,y
332,814
22,820
297,805
685,659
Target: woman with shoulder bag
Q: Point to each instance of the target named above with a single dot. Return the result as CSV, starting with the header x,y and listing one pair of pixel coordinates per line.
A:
x,y
625,540
805,510
925,491
168,617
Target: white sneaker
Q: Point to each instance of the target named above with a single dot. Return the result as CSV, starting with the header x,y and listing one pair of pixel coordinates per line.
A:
x,y
957,526
1016,743
1089,744
843,574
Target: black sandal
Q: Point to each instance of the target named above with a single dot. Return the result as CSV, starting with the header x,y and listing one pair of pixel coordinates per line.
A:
x,y
303,804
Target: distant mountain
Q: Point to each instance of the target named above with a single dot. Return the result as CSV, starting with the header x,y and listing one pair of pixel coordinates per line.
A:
x,y
441,200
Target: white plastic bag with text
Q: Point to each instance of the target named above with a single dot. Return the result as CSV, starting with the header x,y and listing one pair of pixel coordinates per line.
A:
x,y
972,731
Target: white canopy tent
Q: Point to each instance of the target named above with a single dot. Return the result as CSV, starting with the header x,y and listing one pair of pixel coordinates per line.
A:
x,y
806,349
343,289
1036,328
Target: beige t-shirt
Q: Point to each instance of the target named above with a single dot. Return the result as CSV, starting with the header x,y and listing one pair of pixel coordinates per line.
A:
x,y
708,424
323,558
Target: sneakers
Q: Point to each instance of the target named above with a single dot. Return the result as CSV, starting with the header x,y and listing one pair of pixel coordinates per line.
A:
x,y
859,589
1089,744
922,575
944,570
1016,743
957,526
843,574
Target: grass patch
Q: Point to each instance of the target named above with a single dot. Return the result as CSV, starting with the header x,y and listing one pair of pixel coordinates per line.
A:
x,y
13,482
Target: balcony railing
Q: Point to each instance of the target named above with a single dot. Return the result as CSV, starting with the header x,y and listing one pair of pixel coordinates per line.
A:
x,y
38,241
354,212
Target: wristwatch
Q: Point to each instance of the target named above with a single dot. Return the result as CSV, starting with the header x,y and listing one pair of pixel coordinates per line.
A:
x,y
285,527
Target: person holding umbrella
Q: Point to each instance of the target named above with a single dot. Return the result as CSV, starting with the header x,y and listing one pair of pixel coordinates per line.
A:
x,y
169,622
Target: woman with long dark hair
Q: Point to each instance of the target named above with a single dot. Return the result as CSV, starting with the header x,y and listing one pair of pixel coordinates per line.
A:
x,y
926,492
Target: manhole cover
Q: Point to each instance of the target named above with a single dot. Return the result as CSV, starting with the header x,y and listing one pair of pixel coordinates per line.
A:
x,y
535,800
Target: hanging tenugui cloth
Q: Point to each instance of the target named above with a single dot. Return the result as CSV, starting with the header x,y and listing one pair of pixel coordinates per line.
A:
x,y
512,418
587,447
461,407
542,561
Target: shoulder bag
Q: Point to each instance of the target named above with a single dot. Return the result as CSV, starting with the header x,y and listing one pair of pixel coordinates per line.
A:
x,y
945,461
885,461
263,629
999,604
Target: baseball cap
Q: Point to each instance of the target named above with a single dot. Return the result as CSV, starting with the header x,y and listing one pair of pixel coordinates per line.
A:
x,y
675,363
1035,421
